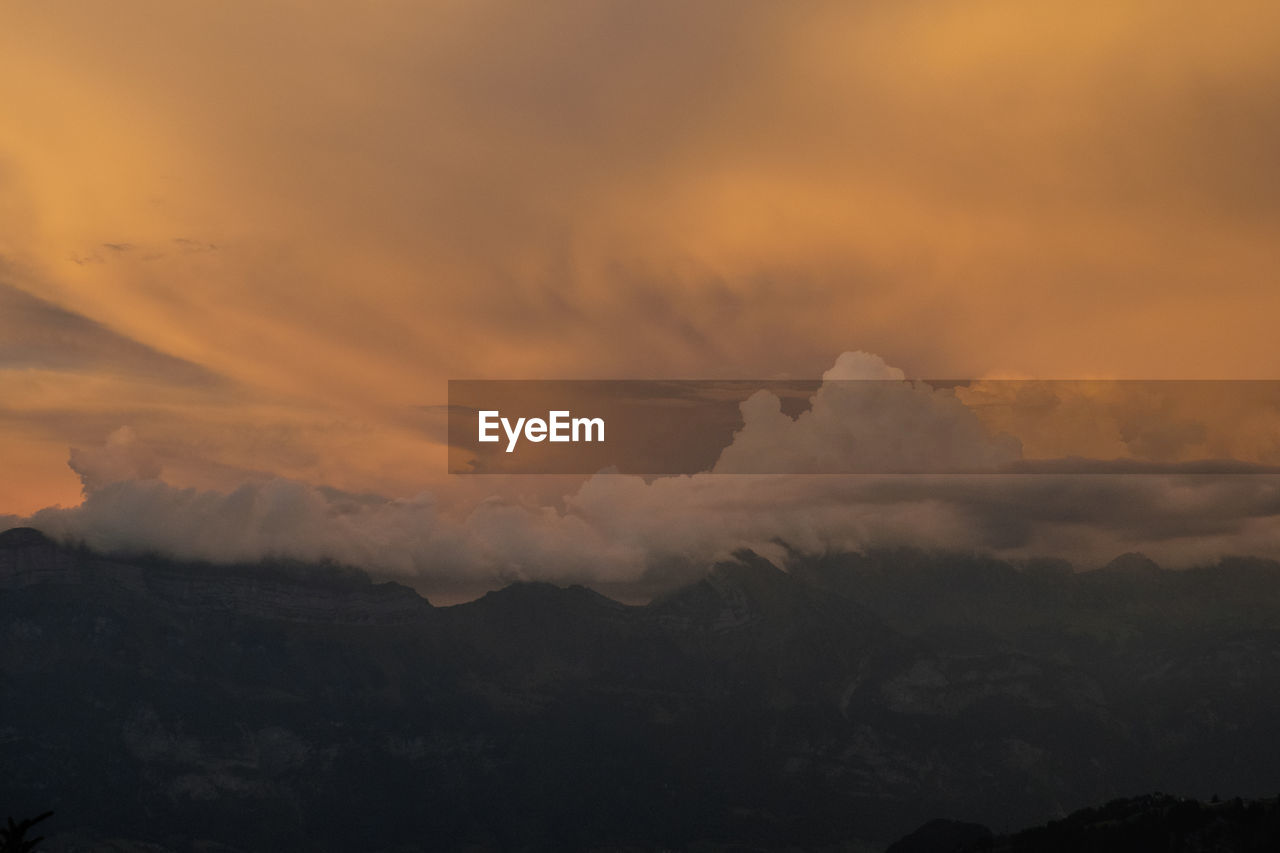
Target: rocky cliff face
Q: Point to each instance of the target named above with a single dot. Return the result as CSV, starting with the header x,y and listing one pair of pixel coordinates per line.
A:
x,y
843,701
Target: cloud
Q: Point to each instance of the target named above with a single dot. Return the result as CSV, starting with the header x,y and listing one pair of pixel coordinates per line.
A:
x,y
1155,421
497,542
36,333
406,192
616,531
863,420
123,458
625,532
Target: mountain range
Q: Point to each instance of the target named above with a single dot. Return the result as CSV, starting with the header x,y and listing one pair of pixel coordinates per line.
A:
x,y
838,702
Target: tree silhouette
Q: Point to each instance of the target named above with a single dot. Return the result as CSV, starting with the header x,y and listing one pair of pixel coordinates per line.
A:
x,y
13,838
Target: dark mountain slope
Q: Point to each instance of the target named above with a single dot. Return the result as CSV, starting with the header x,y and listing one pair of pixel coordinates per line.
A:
x,y
285,707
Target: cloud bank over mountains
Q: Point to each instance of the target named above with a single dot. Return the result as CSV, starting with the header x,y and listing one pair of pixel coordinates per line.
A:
x,y
617,530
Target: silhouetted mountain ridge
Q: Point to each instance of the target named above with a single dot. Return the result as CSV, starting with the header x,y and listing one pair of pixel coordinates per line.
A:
x,y
847,698
25,537
1153,823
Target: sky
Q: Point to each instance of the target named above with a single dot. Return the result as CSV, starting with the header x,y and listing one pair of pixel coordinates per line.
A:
x,y
243,246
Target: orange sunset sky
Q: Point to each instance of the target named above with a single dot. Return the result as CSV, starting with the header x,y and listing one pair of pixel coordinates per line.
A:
x,y
242,241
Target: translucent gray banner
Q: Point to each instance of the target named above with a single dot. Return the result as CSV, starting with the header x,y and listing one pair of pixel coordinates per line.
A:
x,y
867,427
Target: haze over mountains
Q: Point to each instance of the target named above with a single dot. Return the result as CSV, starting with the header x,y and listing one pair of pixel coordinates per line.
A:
x,y
848,699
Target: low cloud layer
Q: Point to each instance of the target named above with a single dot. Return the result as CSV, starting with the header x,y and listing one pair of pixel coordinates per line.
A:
x,y
620,531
